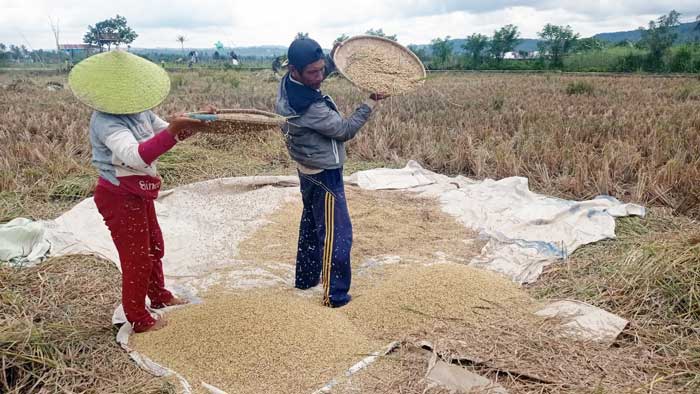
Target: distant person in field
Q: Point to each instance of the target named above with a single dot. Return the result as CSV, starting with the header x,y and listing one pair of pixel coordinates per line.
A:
x,y
315,137
127,138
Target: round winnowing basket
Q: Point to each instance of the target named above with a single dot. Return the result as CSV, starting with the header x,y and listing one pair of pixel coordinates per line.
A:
x,y
379,65
238,121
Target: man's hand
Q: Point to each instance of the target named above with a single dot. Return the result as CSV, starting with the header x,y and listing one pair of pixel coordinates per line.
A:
x,y
378,96
182,127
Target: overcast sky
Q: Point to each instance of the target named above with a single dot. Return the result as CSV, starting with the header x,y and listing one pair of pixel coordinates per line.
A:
x,y
264,22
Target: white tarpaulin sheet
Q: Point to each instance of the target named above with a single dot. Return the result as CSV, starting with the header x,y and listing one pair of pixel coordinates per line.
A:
x,y
203,224
22,242
526,231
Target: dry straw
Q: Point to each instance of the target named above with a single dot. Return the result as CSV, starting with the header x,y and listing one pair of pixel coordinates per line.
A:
x,y
377,64
56,334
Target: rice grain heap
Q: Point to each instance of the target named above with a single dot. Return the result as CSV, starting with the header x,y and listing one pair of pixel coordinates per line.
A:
x,y
256,342
379,65
411,298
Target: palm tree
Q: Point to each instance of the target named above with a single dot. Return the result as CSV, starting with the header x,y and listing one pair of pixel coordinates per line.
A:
x,y
181,39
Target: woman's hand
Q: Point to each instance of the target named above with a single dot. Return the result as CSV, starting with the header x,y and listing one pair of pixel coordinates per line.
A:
x,y
182,127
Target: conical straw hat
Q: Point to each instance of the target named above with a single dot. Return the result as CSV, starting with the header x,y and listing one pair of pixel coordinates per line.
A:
x,y
118,82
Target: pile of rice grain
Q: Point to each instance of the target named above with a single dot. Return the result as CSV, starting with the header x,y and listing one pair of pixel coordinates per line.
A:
x,y
412,297
375,70
267,341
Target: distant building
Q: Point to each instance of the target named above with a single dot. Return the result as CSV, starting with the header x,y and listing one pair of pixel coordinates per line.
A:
x,y
78,49
521,55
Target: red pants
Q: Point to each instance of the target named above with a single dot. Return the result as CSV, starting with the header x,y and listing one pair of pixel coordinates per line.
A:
x,y
135,231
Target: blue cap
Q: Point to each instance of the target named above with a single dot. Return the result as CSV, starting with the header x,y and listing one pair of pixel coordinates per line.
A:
x,y
304,51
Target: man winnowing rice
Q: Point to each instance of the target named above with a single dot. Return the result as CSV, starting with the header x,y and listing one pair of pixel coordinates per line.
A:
x,y
315,137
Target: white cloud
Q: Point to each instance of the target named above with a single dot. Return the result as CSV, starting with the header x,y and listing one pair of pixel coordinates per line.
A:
x,y
266,22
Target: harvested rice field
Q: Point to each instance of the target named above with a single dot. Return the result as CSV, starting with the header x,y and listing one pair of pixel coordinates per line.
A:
x,y
635,138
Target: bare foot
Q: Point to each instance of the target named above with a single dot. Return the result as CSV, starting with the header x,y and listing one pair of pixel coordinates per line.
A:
x,y
176,301
160,323
172,302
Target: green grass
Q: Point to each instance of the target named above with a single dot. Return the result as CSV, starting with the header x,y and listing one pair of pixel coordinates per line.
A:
x,y
649,275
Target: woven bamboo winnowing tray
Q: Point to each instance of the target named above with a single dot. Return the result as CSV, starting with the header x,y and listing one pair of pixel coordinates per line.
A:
x,y
392,68
237,121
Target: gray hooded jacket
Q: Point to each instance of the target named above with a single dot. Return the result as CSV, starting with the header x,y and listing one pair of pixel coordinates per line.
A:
x,y
315,139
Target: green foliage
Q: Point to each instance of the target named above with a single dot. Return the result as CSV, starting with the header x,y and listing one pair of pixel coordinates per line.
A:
x,y
475,47
557,41
380,33
658,38
504,40
341,38
110,31
422,54
589,44
622,59
73,188
442,51
684,59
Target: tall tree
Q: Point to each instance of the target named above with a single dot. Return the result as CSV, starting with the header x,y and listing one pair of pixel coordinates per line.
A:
x,y
419,51
504,40
181,39
110,31
556,42
659,37
380,33
442,50
474,46
16,52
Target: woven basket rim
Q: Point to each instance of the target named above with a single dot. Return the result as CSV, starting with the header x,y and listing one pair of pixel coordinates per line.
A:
x,y
240,115
366,37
